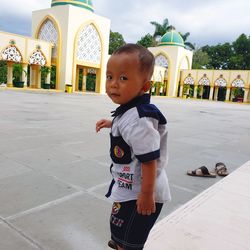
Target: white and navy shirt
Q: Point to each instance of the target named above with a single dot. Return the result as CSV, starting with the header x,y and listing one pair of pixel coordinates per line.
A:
x,y
138,135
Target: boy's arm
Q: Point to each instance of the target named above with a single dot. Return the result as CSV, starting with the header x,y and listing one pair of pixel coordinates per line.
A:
x,y
146,201
103,123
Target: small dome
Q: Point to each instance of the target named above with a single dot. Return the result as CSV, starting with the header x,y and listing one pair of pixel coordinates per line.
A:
x,y
172,38
85,4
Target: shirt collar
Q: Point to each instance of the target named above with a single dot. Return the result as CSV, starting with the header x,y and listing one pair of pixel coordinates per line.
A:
x,y
143,99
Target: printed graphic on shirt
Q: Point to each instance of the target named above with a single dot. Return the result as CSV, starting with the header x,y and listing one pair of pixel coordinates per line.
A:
x,y
118,152
125,180
126,169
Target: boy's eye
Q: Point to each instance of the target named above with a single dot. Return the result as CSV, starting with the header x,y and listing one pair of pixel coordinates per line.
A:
x,y
123,78
108,77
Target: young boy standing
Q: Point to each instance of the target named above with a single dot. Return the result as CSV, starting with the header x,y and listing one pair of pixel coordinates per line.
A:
x,y
138,148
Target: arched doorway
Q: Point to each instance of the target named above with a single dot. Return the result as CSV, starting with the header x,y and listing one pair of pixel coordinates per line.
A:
x,y
222,94
86,79
220,89
160,84
203,87
88,59
48,31
188,87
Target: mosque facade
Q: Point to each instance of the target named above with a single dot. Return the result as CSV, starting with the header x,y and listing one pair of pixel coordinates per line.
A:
x,y
68,51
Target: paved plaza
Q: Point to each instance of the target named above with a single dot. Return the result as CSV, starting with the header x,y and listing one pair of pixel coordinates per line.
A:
x,y
54,168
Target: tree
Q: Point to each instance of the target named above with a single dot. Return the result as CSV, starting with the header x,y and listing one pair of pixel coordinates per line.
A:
x,y
147,41
115,41
219,56
161,29
200,59
241,50
187,44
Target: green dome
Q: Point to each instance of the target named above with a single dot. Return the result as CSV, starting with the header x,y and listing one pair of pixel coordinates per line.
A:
x,y
172,38
85,4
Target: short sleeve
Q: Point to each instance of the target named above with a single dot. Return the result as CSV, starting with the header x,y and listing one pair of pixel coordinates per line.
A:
x,y
144,139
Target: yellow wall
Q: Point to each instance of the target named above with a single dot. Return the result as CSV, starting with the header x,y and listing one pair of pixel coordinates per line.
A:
x,y
213,75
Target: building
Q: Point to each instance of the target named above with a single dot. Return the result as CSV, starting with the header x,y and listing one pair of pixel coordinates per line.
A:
x,y
77,42
69,50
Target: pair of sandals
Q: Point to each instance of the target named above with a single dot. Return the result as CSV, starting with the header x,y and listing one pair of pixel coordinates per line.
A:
x,y
219,169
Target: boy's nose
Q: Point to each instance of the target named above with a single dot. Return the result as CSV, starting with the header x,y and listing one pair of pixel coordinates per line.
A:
x,y
113,83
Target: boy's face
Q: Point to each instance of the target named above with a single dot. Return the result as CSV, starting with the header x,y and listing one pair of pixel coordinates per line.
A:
x,y
125,80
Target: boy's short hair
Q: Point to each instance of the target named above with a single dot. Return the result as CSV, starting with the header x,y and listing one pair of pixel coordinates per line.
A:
x,y
146,58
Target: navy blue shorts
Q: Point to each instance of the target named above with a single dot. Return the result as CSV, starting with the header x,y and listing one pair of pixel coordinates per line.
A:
x,y
130,230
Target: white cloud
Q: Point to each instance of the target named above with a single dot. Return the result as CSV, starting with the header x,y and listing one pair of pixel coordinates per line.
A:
x,y
209,22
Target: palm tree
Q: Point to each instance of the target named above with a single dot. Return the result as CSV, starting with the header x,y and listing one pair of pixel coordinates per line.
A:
x,y
161,29
187,44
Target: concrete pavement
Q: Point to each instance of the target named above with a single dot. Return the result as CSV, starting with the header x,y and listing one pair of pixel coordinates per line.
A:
x,y
54,167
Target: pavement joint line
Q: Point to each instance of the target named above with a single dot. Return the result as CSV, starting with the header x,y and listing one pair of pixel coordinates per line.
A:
x,y
44,206
22,234
97,186
184,189
99,162
78,188
99,197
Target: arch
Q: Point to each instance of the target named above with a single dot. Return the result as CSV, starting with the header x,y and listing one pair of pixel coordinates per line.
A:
x,y
162,52
37,58
48,32
220,82
204,81
161,60
87,63
238,83
189,80
12,53
57,49
89,47
187,63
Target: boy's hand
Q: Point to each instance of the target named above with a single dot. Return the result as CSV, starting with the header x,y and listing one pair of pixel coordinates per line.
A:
x,y
145,204
103,123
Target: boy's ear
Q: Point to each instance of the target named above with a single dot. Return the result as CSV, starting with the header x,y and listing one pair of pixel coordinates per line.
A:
x,y
146,86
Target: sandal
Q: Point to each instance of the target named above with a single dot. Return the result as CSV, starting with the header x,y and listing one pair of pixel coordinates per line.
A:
x,y
112,244
220,169
201,172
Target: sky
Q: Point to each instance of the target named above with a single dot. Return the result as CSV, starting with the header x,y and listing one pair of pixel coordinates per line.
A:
x,y
209,22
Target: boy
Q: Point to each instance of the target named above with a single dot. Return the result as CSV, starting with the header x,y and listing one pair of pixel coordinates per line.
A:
x,y
138,148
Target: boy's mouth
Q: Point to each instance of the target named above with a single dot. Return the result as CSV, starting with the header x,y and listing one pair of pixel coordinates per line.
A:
x,y
114,94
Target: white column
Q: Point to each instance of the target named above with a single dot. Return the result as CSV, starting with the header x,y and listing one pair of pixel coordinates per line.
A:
x,y
228,93
84,79
246,95
38,78
195,91
211,93
181,90
9,74
32,77
216,91
25,74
